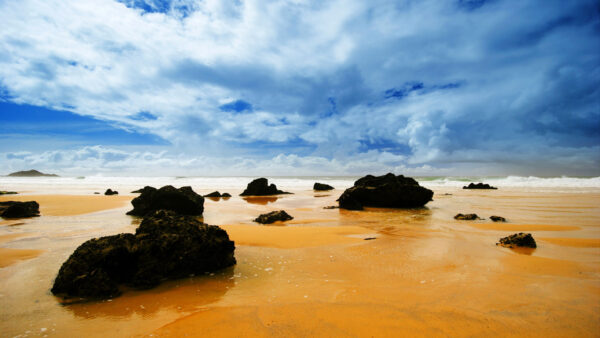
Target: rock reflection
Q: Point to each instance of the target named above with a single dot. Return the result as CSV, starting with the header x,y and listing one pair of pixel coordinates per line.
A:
x,y
261,200
182,295
388,221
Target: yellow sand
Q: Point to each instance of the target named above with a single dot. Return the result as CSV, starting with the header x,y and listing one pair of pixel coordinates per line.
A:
x,y
69,205
11,256
425,274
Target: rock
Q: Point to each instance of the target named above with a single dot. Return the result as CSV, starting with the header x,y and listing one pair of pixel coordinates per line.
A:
x,y
273,216
225,195
331,207
466,217
213,194
183,201
8,193
498,219
96,193
369,238
479,186
13,209
109,192
322,186
146,188
388,191
518,240
261,187
31,173
165,246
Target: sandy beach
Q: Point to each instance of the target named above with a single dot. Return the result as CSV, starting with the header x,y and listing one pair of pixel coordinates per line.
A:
x,y
424,274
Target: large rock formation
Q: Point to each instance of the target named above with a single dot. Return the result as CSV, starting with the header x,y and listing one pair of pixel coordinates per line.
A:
x,y
183,201
31,173
12,209
518,240
388,191
261,187
165,246
322,186
479,186
273,216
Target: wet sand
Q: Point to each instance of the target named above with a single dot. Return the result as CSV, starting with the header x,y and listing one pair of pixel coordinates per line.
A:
x,y
69,205
424,274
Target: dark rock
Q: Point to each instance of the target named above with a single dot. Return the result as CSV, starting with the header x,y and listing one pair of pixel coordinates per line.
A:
x,y
479,186
12,209
165,246
466,217
140,191
213,194
388,191
31,173
331,207
225,195
8,193
96,193
273,216
322,186
183,201
109,192
518,240
498,218
369,238
261,187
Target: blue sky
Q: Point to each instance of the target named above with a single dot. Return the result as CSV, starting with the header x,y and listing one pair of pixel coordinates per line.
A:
x,y
181,87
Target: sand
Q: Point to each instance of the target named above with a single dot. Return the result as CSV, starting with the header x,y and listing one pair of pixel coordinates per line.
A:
x,y
69,205
424,274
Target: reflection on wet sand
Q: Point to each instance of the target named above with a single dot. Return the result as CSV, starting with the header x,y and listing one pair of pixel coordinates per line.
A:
x,y
183,295
260,200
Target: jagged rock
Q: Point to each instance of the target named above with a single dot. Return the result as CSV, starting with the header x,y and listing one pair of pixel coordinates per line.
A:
x,y
146,188
13,209
109,192
466,217
165,246
213,194
31,173
479,186
261,187
520,239
8,192
273,216
388,191
322,187
498,219
183,201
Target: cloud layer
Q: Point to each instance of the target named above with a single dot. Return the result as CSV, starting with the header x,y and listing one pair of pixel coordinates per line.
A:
x,y
438,86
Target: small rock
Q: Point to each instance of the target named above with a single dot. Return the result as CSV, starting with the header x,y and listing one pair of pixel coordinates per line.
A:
x,y
273,216
466,217
13,209
479,186
518,240
370,238
331,207
322,186
8,192
498,219
109,192
261,187
213,194
225,195
96,193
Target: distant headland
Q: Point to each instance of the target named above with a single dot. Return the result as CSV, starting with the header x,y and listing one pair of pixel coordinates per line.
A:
x,y
31,173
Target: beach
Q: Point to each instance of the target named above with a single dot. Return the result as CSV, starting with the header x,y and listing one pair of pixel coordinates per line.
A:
x,y
420,273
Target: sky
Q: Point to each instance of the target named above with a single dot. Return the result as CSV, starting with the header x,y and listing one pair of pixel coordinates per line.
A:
x,y
182,87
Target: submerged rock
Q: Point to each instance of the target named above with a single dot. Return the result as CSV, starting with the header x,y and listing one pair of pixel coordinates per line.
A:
x,y
261,187
498,219
14,209
8,192
165,246
273,216
109,192
479,186
518,240
183,201
322,187
31,173
388,191
466,217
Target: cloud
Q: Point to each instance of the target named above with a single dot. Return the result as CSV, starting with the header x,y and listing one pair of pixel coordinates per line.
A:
x,y
431,83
